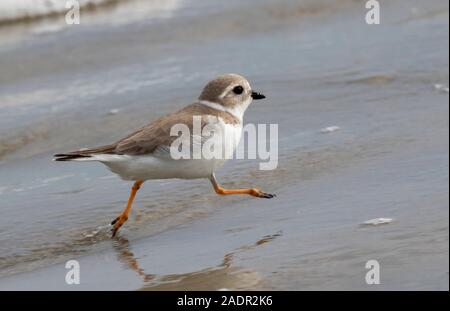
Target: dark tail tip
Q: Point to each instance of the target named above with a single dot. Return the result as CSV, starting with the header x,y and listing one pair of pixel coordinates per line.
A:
x,y
68,157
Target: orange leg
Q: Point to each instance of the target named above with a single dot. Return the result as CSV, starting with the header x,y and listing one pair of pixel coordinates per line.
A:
x,y
253,191
119,221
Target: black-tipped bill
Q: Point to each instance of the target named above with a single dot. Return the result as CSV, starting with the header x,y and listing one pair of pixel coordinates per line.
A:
x,y
256,95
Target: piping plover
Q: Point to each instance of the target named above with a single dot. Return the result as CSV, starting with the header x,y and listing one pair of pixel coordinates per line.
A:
x,y
146,153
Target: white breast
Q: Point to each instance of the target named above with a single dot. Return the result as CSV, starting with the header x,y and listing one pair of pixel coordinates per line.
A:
x,y
232,135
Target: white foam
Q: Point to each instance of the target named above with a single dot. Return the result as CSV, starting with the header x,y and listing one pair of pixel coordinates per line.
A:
x,y
96,231
330,129
55,179
441,88
377,221
114,111
11,10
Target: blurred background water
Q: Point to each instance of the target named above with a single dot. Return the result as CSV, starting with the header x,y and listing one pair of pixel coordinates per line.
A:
x,y
385,86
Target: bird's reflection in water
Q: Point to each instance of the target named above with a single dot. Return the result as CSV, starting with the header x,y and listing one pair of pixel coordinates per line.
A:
x,y
222,276
124,254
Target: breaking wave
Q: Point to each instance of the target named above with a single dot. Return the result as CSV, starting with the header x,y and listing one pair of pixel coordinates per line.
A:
x,y
21,10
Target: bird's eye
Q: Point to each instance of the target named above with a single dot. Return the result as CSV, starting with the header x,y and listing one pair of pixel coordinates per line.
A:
x,y
238,89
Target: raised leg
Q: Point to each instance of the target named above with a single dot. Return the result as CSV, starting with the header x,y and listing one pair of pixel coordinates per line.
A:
x,y
251,191
122,218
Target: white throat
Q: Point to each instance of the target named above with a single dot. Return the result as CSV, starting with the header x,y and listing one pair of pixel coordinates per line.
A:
x,y
237,111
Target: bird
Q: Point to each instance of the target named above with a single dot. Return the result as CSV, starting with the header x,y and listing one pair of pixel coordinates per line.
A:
x,y
146,154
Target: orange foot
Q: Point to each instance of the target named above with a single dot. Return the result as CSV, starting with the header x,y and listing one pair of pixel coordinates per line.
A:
x,y
117,223
259,194
252,191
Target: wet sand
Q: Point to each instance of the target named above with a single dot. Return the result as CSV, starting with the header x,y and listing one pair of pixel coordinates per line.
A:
x,y
319,64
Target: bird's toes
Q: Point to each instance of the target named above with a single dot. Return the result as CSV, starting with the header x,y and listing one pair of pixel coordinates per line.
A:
x,y
267,195
114,231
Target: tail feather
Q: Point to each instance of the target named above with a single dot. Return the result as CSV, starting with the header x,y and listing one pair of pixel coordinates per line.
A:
x,y
84,153
69,157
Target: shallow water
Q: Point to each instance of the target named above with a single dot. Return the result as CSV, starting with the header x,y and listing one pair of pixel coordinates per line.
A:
x,y
319,65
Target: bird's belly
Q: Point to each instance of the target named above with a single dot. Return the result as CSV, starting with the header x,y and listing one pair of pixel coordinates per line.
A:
x,y
150,167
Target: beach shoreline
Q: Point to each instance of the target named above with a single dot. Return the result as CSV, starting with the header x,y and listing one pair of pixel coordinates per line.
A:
x,y
363,134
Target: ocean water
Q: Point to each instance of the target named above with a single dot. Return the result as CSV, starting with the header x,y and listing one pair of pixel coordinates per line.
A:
x,y
363,134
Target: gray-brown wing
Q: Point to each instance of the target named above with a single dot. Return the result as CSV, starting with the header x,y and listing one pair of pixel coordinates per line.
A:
x,y
152,137
156,135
